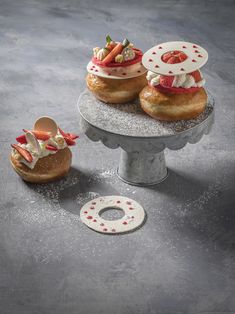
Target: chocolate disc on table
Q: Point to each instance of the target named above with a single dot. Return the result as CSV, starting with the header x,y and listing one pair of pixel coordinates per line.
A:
x,y
134,214
196,58
118,73
46,124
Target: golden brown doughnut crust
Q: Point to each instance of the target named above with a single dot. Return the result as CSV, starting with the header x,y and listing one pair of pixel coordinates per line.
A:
x,y
115,91
49,168
172,107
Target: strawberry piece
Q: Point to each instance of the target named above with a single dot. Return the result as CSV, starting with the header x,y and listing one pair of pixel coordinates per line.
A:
x,y
51,147
177,59
23,152
21,139
67,138
69,141
73,136
182,56
166,81
173,57
62,132
196,75
40,135
177,90
172,60
166,56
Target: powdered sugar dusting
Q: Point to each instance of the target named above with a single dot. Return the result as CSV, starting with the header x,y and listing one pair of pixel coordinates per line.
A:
x,y
200,203
83,198
129,119
101,176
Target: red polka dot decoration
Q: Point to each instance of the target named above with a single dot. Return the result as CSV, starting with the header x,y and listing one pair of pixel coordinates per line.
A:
x,y
134,214
194,57
116,72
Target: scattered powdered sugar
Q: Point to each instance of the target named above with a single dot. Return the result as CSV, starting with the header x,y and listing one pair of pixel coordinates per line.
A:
x,y
200,203
47,208
52,190
129,119
83,198
106,174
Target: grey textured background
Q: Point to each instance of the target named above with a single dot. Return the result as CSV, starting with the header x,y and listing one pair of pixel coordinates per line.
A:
x,y
182,260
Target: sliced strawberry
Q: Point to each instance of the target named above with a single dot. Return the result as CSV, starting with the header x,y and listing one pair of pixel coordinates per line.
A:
x,y
69,141
182,56
166,80
21,139
173,57
40,135
166,56
73,136
177,59
62,132
23,152
196,75
176,90
172,60
51,147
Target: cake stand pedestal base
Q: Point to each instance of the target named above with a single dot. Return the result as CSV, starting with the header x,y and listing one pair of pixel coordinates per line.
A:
x,y
140,168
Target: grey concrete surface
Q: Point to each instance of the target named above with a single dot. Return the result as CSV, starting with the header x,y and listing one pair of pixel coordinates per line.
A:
x,y
182,259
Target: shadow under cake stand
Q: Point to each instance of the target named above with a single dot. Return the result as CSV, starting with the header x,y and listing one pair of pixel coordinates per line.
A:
x,y
142,139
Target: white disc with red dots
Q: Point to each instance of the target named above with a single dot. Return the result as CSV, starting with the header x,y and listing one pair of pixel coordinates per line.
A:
x,y
196,58
118,73
134,214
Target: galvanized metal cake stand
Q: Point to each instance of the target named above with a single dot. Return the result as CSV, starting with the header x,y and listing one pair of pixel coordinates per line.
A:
x,y
142,139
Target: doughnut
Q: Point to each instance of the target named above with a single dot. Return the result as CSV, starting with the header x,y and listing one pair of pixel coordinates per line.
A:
x,y
42,154
116,74
171,107
115,91
47,169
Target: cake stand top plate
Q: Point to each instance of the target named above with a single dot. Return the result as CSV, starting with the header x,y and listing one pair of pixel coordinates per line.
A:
x,y
130,120
128,127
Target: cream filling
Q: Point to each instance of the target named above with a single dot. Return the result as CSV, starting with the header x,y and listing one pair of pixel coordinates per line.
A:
x,y
57,141
182,80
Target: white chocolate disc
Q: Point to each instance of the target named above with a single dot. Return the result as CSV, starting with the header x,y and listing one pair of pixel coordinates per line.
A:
x,y
118,73
46,124
32,140
197,57
134,214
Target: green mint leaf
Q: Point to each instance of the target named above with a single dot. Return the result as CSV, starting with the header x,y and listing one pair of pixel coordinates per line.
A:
x,y
108,39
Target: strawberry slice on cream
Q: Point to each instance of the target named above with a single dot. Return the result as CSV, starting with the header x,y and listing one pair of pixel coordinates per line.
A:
x,y
23,152
21,139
